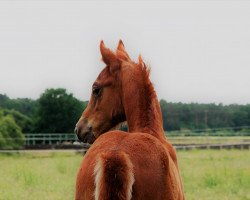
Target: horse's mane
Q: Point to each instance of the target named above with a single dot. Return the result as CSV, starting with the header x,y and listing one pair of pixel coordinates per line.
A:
x,y
149,94
149,102
149,88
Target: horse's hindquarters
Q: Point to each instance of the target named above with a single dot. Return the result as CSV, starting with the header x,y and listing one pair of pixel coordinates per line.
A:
x,y
85,181
119,161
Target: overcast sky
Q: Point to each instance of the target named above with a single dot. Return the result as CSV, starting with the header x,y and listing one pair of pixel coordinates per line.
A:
x,y
199,51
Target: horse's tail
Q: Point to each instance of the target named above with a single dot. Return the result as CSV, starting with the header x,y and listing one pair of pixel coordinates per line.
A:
x,y
114,176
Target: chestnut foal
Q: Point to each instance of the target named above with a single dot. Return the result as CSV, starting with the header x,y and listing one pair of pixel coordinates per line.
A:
x,y
140,164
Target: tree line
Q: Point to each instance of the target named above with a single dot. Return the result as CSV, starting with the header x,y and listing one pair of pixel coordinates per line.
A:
x,y
194,116
57,111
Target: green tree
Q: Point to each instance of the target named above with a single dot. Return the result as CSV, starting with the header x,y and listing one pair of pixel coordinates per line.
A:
x,y
240,118
11,136
25,106
23,121
171,120
58,111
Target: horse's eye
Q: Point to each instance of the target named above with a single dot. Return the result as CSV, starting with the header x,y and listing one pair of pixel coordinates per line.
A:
x,y
96,91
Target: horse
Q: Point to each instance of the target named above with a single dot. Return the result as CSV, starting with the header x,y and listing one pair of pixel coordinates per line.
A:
x,y
140,164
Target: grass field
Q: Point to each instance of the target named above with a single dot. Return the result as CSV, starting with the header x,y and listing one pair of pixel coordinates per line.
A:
x,y
207,174
216,174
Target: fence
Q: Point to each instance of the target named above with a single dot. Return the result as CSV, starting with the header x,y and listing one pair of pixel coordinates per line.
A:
x,y
214,146
70,141
49,138
223,131
46,139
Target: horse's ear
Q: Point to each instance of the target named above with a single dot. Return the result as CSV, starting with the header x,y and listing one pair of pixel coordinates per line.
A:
x,y
109,58
121,52
121,46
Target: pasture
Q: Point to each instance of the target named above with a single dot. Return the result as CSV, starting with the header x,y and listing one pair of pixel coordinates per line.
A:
x,y
207,174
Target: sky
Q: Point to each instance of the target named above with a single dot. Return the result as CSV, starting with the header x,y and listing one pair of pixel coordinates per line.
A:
x,y
198,51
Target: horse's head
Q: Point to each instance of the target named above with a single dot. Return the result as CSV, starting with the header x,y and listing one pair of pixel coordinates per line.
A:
x,y
105,109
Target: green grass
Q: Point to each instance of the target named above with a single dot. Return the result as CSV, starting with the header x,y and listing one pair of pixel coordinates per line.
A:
x,y
213,174
41,177
207,174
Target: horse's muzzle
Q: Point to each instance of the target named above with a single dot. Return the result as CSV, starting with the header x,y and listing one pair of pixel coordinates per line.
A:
x,y
84,131
86,138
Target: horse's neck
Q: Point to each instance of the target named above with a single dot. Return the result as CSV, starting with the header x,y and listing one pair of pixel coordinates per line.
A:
x,y
141,106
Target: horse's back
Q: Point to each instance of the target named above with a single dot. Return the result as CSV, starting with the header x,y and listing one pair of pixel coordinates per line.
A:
x,y
145,160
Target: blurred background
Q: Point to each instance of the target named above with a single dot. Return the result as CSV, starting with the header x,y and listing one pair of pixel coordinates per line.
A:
x,y
198,53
